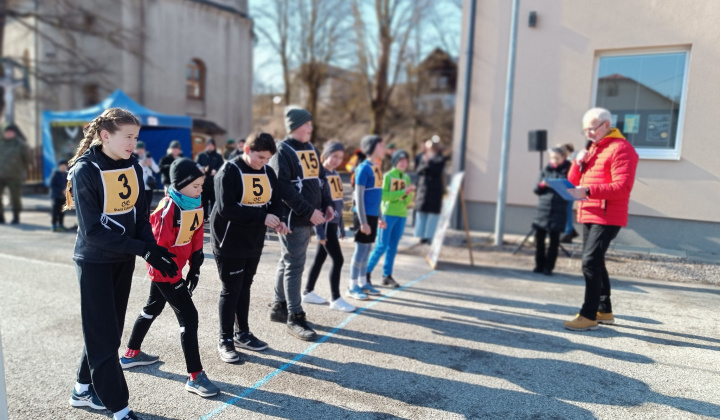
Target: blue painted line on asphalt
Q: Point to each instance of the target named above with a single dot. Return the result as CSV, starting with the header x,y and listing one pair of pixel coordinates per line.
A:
x,y
297,358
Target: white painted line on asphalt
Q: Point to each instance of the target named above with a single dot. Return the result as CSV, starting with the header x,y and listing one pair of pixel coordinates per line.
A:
x,y
70,264
297,358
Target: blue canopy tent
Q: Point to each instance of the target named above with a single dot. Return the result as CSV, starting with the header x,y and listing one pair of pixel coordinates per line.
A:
x,y
62,130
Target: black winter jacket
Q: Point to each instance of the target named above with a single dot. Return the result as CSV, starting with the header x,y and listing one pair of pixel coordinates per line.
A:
x,y
238,230
302,196
112,227
213,161
430,187
58,183
164,166
552,208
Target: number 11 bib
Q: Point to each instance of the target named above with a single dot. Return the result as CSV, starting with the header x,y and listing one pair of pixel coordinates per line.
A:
x,y
378,176
121,190
397,184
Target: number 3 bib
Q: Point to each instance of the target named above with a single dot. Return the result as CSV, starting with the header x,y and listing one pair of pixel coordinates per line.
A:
x,y
121,190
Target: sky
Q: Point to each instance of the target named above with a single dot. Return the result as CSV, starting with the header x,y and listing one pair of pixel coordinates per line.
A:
x,y
267,77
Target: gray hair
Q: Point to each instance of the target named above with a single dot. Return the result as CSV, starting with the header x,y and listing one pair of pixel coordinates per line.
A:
x,y
597,114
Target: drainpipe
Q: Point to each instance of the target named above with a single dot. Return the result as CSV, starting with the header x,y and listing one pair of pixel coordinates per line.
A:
x,y
505,153
466,98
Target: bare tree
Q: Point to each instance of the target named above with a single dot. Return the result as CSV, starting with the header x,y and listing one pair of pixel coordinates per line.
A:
x,y
323,29
381,57
274,24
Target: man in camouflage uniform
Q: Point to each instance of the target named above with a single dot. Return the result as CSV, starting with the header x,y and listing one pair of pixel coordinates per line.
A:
x,y
14,160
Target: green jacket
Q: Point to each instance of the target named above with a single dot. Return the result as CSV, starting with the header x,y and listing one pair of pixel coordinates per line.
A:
x,y
14,158
394,200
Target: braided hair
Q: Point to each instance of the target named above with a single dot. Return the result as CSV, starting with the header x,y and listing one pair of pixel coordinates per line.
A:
x,y
111,120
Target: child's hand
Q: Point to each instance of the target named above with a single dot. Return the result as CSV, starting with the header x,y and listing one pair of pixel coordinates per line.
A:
x,y
282,229
382,224
271,221
409,189
322,241
365,228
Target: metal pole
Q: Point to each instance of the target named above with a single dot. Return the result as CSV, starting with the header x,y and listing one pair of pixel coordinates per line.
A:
x,y
3,394
466,95
502,184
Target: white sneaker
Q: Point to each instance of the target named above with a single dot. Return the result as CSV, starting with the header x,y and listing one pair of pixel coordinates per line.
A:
x,y
314,298
340,305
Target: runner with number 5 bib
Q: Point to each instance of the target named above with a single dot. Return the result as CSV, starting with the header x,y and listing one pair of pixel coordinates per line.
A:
x,y
248,202
106,184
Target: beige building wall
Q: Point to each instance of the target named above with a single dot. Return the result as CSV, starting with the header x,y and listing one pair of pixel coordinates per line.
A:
x,y
554,82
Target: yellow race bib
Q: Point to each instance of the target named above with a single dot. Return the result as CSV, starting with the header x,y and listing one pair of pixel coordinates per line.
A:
x,y
378,176
336,187
256,190
309,162
190,222
121,190
397,184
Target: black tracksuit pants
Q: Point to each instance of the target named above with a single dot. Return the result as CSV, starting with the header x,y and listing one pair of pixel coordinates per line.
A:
x,y
546,261
596,241
58,216
104,293
236,275
178,296
332,248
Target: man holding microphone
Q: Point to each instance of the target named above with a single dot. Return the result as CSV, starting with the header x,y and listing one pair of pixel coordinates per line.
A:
x,y
604,174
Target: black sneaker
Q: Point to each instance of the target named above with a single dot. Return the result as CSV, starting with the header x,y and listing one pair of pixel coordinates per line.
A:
x,y
86,399
390,282
226,348
247,340
368,278
131,416
299,328
278,312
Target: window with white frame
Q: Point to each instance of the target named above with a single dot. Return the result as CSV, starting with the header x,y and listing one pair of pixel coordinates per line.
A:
x,y
645,94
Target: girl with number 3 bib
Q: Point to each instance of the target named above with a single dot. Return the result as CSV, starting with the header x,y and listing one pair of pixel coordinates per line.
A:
x,y
106,184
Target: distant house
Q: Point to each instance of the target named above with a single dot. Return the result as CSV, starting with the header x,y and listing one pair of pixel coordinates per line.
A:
x,y
187,57
437,79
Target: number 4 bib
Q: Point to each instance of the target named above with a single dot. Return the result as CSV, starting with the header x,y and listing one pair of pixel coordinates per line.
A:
x,y
190,221
121,190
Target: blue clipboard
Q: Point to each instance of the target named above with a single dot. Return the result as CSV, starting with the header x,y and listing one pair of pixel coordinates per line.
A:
x,y
560,186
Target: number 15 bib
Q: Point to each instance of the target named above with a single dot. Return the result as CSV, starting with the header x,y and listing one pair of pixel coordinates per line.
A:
x,y
121,190
309,163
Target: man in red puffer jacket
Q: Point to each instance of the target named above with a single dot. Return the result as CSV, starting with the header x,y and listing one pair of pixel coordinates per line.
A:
x,y
604,174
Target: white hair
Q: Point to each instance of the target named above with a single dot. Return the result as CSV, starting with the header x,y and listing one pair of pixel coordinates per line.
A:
x,y
597,114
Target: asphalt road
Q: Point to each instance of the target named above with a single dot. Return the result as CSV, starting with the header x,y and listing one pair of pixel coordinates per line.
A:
x,y
461,342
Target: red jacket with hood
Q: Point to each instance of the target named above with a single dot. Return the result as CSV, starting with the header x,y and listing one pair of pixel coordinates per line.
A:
x,y
609,172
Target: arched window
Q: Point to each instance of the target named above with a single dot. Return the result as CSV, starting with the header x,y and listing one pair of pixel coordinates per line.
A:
x,y
195,79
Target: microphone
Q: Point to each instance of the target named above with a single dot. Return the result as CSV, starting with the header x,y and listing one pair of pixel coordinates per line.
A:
x,y
587,147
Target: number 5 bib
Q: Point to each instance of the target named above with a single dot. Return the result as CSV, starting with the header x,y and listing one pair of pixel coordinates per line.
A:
x,y
121,190
256,188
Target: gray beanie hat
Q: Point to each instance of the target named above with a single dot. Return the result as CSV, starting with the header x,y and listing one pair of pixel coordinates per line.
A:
x,y
332,147
398,155
368,143
295,117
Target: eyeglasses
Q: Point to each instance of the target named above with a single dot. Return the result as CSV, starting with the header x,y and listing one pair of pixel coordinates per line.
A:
x,y
594,129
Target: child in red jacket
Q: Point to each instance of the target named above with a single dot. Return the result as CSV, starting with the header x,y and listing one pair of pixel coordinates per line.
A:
x,y
177,224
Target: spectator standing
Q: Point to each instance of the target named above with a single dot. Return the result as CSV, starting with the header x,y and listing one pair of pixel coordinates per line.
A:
x,y
14,160
430,190
551,215
210,162
173,152
58,188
